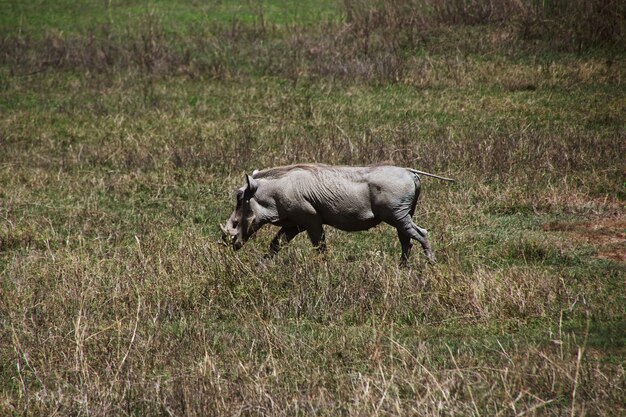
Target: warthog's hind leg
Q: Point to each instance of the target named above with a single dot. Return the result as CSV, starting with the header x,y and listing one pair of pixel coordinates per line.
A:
x,y
407,228
317,236
406,243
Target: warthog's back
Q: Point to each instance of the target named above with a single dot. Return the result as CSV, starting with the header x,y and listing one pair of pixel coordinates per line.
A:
x,y
349,198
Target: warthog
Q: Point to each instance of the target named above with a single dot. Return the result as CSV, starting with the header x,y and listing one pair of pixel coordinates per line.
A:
x,y
305,197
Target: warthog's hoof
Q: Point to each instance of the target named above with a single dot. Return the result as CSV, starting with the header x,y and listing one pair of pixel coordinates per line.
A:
x,y
431,257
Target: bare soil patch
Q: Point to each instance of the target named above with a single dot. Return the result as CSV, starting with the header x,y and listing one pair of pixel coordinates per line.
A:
x,y
606,234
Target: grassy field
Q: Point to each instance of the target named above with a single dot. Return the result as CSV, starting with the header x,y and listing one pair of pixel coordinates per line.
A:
x,y
125,128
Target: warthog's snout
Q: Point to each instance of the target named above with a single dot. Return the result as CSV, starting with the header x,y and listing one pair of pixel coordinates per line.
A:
x,y
230,239
227,238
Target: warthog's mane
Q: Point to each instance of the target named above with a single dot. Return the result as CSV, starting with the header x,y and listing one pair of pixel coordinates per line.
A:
x,y
278,172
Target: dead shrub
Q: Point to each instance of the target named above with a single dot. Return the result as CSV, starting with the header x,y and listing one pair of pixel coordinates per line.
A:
x,y
476,12
574,25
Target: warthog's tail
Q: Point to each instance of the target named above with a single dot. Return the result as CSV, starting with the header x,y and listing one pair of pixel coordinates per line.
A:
x,y
430,175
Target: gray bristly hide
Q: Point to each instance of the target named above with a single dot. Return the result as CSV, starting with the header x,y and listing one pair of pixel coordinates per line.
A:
x,y
305,197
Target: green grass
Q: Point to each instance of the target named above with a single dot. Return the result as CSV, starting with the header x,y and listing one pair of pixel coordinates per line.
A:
x,y
116,298
70,17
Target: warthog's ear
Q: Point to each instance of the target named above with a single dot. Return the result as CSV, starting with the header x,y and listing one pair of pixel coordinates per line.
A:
x,y
252,184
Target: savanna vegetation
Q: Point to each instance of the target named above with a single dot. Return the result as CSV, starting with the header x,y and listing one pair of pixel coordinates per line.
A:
x,y
125,127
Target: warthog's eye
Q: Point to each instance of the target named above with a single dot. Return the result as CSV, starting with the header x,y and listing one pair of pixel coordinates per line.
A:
x,y
235,224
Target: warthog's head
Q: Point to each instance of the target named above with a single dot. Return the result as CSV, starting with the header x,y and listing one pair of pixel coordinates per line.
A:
x,y
244,221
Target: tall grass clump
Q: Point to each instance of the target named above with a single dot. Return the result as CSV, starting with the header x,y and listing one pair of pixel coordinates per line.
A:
x,y
375,42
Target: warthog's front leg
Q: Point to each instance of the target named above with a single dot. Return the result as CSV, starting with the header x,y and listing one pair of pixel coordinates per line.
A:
x,y
284,236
